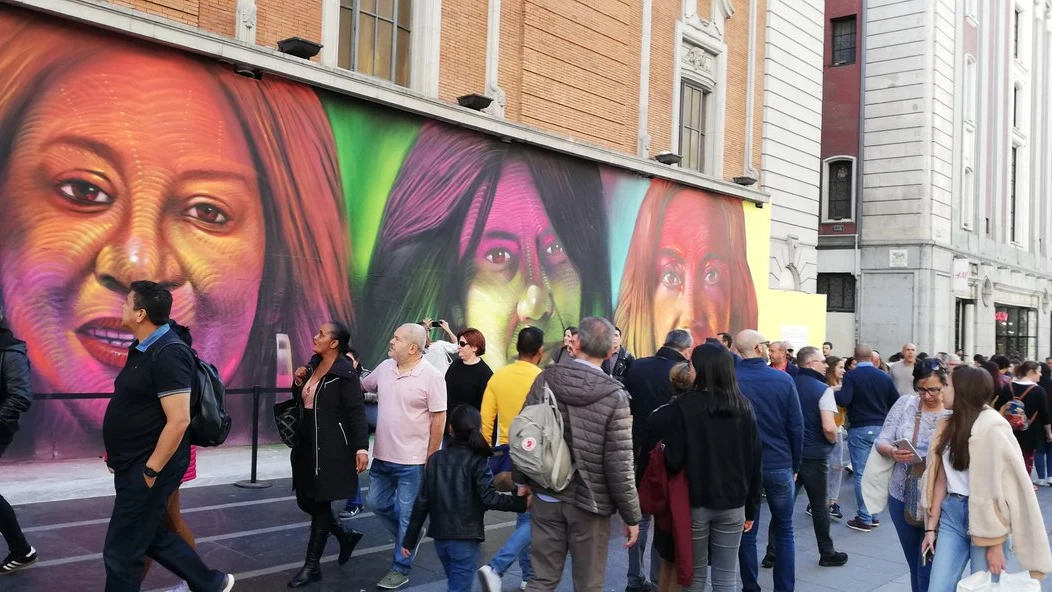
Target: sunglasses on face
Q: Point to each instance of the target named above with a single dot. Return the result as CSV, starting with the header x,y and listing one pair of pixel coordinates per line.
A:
x,y
462,343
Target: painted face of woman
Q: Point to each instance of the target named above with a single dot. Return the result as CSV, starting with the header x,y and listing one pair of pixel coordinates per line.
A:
x,y
133,168
693,288
522,275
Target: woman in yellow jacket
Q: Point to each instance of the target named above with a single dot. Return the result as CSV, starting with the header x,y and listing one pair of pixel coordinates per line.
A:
x,y
977,491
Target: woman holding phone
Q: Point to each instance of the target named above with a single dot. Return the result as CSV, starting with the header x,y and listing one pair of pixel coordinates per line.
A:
x,y
905,438
977,490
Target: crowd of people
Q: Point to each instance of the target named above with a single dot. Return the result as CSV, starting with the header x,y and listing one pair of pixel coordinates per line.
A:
x,y
684,445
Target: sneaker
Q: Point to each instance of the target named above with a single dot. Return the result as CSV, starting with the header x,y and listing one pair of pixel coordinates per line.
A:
x,y
13,563
808,510
768,561
229,583
348,514
857,524
874,522
393,580
836,512
1042,482
849,469
834,559
489,579
182,587
647,586
522,586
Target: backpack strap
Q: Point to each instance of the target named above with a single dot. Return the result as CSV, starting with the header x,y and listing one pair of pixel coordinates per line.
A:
x,y
157,352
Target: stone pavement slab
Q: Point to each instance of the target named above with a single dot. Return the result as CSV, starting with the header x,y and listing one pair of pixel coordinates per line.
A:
x,y
260,535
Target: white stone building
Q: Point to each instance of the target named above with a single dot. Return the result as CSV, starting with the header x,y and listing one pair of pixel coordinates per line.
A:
x,y
951,247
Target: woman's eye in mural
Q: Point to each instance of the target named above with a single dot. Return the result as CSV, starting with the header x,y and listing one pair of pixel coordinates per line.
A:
x,y
712,276
554,251
208,213
672,278
498,256
83,193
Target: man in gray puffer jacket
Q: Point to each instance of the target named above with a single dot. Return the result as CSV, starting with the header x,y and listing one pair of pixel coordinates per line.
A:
x,y
598,426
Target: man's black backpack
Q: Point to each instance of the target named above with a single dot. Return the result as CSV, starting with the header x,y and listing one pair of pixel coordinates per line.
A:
x,y
209,422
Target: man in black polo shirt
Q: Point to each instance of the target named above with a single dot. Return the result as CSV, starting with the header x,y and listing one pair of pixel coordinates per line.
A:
x,y
147,450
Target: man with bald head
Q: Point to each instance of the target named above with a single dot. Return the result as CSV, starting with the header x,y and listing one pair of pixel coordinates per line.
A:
x,y
902,371
410,419
776,405
867,394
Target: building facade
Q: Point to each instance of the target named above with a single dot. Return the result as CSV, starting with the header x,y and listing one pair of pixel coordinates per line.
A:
x,y
935,224
171,141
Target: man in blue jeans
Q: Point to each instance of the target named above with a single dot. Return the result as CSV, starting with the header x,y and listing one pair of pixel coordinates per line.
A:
x,y
776,404
411,398
867,394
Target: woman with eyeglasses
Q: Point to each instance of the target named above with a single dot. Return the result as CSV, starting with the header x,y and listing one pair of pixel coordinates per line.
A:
x,y
977,492
469,374
1031,428
912,419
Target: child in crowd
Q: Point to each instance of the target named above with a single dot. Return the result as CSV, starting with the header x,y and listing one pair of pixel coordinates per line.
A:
x,y
456,492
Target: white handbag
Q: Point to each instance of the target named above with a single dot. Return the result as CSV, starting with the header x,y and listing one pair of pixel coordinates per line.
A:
x,y
1009,582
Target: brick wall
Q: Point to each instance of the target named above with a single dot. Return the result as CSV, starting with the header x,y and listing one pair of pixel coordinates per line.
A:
x,y
462,63
279,19
567,66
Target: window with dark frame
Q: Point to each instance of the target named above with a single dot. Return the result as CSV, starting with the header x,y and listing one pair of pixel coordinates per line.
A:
x,y
844,40
1015,107
1011,197
839,194
374,38
692,111
1015,33
839,289
1016,331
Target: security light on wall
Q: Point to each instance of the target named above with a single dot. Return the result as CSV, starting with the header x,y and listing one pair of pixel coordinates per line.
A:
x,y
474,101
669,158
299,47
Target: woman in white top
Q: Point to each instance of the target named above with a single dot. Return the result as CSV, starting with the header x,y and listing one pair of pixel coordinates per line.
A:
x,y
977,491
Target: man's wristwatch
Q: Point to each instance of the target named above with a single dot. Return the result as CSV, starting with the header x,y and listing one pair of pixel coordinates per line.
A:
x,y
152,474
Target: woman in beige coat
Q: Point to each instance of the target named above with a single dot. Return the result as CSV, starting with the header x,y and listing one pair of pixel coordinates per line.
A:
x,y
977,491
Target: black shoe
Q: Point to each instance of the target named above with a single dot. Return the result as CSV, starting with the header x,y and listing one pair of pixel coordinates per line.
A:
x,y
768,561
311,570
809,510
836,512
13,563
348,541
857,524
647,586
834,559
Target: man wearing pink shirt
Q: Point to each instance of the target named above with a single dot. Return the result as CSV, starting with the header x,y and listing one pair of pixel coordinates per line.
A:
x,y
410,418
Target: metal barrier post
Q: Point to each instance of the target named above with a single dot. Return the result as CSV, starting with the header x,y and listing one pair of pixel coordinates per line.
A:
x,y
252,483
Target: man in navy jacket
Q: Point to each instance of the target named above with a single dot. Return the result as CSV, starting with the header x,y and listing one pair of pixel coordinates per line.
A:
x,y
867,394
649,385
776,405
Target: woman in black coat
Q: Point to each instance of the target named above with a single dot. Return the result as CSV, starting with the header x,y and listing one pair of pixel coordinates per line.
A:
x,y
332,444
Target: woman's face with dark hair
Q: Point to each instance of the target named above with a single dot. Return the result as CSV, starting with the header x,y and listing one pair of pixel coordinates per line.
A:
x,y
520,273
131,169
693,266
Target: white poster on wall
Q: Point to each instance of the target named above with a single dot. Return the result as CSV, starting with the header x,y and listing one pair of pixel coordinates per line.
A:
x,y
960,274
796,335
898,258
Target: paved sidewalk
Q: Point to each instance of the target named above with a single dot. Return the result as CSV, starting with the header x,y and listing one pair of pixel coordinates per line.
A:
x,y
260,535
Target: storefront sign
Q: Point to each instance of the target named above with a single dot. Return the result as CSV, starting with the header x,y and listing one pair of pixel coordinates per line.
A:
x,y
961,272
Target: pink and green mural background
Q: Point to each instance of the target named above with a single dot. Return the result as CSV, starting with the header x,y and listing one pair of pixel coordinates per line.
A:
x,y
269,207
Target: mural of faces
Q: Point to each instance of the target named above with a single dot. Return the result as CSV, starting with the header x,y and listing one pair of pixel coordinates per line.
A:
x,y
142,163
120,162
522,274
110,182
